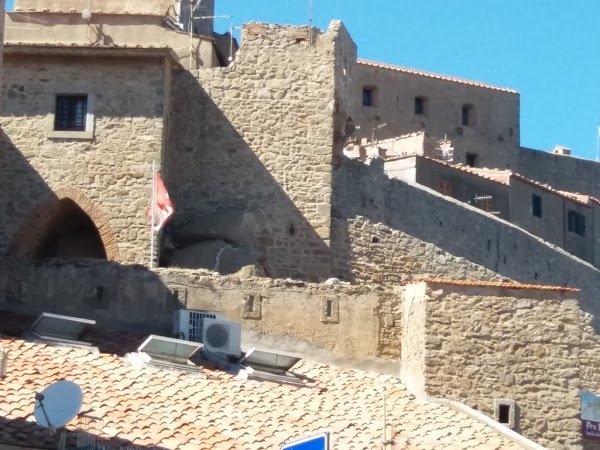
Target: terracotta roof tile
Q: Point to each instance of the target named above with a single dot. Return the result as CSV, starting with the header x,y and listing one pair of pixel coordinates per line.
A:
x,y
151,407
504,176
500,284
433,75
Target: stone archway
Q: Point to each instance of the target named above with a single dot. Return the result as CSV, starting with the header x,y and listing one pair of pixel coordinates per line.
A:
x,y
62,222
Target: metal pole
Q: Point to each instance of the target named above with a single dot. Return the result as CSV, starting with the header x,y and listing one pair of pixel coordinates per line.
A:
x,y
310,21
153,213
191,23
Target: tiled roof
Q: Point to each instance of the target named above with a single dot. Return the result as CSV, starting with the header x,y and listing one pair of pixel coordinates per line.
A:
x,y
500,284
153,407
504,176
433,75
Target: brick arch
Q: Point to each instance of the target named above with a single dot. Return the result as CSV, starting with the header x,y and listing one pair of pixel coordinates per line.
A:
x,y
34,227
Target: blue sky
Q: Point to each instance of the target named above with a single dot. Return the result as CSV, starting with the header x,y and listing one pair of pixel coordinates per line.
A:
x,y
544,49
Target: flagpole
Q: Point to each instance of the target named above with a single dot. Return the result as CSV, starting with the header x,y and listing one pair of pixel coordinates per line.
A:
x,y
153,214
597,140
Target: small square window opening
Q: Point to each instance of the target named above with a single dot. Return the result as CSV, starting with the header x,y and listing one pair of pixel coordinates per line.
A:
x,y
471,159
504,414
468,115
71,113
368,96
576,222
420,105
536,205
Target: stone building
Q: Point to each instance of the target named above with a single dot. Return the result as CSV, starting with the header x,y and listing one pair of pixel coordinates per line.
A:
x,y
254,156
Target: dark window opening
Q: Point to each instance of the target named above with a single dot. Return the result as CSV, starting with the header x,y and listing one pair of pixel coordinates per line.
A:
x,y
329,311
420,105
368,96
576,223
251,303
504,413
536,205
71,112
468,115
471,159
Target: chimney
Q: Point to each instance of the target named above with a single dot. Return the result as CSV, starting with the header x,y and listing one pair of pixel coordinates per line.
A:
x,y
3,362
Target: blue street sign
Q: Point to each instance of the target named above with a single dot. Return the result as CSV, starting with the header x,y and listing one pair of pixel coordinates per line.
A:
x,y
317,442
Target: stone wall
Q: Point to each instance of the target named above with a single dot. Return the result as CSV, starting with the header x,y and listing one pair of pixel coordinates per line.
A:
x,y
486,343
108,176
350,325
388,230
254,142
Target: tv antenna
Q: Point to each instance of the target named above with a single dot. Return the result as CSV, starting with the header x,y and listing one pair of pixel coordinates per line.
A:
x,y
57,405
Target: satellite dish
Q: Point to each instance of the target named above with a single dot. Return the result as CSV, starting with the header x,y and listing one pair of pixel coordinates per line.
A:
x,y
58,404
86,14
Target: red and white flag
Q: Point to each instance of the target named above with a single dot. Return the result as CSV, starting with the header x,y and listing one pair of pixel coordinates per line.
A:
x,y
162,205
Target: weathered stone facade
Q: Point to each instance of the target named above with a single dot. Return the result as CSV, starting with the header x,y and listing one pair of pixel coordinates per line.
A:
x,y
108,175
477,344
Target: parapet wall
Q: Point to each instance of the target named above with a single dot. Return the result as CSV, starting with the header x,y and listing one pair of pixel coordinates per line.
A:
x,y
349,325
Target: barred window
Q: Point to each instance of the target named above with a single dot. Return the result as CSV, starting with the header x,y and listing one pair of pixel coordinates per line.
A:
x,y
71,112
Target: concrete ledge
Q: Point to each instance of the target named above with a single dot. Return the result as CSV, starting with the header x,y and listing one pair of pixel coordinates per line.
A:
x,y
83,135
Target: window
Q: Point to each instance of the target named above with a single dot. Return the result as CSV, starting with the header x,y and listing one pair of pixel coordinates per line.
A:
x,y
536,205
73,117
71,112
506,412
420,105
368,96
468,115
444,187
471,159
576,222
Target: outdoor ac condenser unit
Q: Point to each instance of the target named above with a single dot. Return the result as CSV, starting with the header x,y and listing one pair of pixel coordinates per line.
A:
x,y
187,323
221,336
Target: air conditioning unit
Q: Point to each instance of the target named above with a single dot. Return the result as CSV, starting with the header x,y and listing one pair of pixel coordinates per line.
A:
x,y
221,336
187,324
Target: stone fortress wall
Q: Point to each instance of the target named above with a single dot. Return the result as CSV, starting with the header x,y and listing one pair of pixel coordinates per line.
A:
x,y
250,155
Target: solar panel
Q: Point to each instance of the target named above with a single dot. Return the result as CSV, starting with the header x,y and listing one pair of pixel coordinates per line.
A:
x,y
270,360
162,347
61,327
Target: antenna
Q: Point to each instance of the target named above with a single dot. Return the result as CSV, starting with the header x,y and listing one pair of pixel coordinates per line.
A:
x,y
58,404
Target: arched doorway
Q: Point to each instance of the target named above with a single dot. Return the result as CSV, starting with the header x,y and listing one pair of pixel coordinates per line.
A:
x,y
66,225
70,234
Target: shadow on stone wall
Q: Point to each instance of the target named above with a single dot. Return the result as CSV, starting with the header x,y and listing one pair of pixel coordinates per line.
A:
x,y
123,297
230,210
